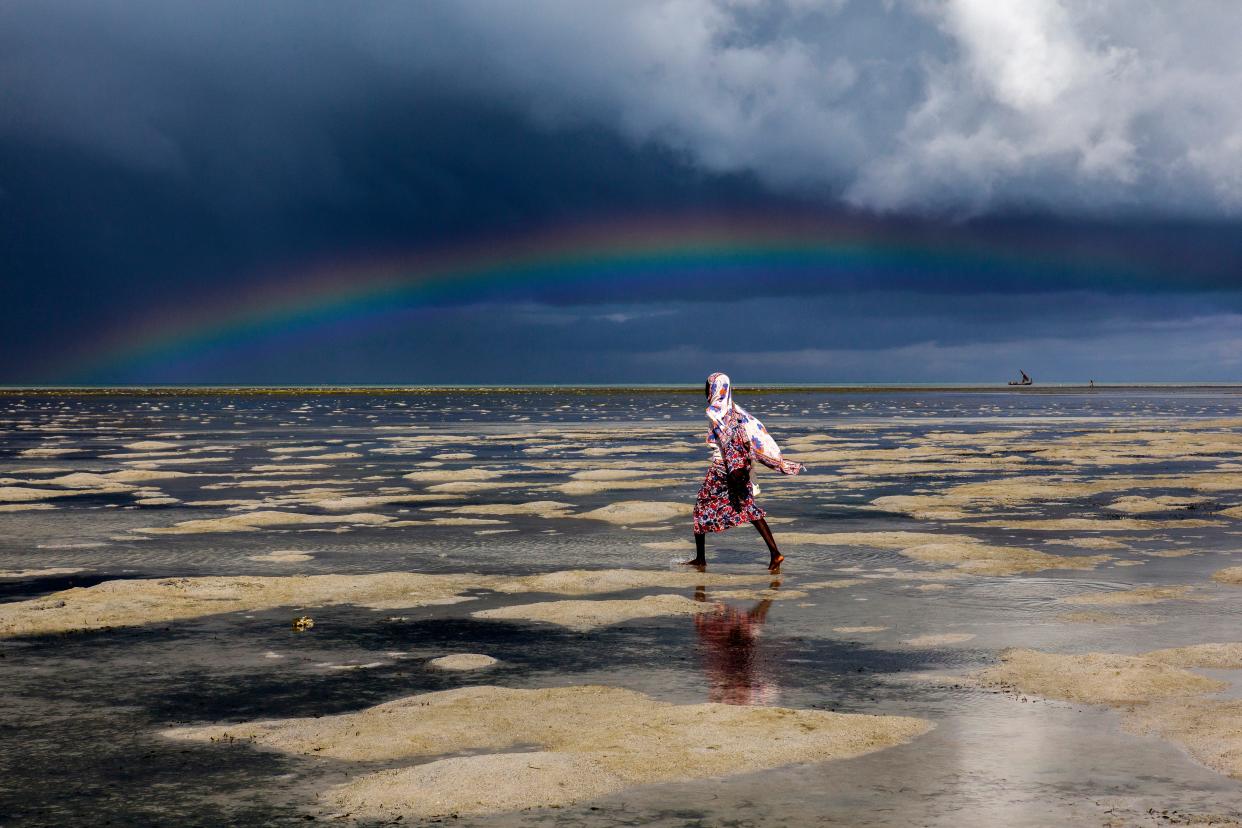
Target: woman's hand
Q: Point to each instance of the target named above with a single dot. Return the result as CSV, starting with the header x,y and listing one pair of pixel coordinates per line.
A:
x,y
738,484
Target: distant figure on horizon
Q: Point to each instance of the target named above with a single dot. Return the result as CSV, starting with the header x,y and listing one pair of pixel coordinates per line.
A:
x,y
727,497
1024,381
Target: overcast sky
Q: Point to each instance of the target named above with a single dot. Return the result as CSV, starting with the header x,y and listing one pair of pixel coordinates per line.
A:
x,y
155,154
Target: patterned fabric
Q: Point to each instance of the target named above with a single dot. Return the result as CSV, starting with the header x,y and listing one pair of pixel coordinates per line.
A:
x,y
762,445
713,511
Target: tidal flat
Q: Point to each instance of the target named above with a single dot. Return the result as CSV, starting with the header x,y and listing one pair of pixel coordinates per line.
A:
x,y
998,608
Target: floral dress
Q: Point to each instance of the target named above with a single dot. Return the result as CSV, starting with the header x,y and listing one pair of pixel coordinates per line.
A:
x,y
712,510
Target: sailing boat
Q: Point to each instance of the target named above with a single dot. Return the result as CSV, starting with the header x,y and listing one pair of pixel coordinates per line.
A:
x,y
1024,381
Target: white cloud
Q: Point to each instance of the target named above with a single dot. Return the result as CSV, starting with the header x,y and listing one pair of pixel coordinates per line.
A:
x,y
958,106
930,105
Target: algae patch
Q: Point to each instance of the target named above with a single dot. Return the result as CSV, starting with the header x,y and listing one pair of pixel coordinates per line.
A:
x,y
592,741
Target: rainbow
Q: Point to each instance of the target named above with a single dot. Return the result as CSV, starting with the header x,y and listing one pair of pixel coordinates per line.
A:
x,y
611,258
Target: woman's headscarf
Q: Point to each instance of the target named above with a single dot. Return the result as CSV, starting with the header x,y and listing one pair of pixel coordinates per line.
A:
x,y
721,406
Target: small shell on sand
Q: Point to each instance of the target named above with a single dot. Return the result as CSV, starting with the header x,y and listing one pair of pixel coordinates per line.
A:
x,y
1139,595
594,740
638,511
937,640
588,615
462,661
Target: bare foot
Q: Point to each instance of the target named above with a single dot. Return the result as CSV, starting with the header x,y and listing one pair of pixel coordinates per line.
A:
x,y
701,563
774,566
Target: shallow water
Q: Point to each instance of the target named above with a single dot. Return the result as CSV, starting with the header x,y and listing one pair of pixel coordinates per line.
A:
x,y
83,711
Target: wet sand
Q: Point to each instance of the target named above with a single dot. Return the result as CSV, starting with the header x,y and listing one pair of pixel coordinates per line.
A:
x,y
997,609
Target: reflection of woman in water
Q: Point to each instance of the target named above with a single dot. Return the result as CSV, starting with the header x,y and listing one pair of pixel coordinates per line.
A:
x,y
727,497
728,640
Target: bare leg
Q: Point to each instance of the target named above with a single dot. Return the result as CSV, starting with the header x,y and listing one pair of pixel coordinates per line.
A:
x,y
700,546
774,565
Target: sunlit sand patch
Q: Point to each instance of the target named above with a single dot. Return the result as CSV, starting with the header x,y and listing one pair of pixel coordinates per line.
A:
x,y
349,502
468,486
1095,678
1234,512
288,556
594,741
334,455
48,451
937,639
590,581
1090,543
1102,617
157,500
272,483
1210,730
152,445
1219,656
90,480
1126,597
296,449
1138,504
1231,575
225,503
24,494
538,508
453,455
288,467
581,487
1096,525
462,661
583,616
125,603
40,573
979,558
494,531
858,630
452,475
612,474
255,521
25,507
638,511
878,540
1171,553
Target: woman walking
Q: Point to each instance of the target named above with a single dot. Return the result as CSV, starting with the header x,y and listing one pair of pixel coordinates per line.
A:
x,y
727,498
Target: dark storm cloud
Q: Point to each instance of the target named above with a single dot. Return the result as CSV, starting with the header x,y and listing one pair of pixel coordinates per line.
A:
x,y
156,152
958,105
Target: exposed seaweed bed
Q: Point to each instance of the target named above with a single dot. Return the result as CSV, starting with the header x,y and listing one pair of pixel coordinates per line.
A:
x,y
998,608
